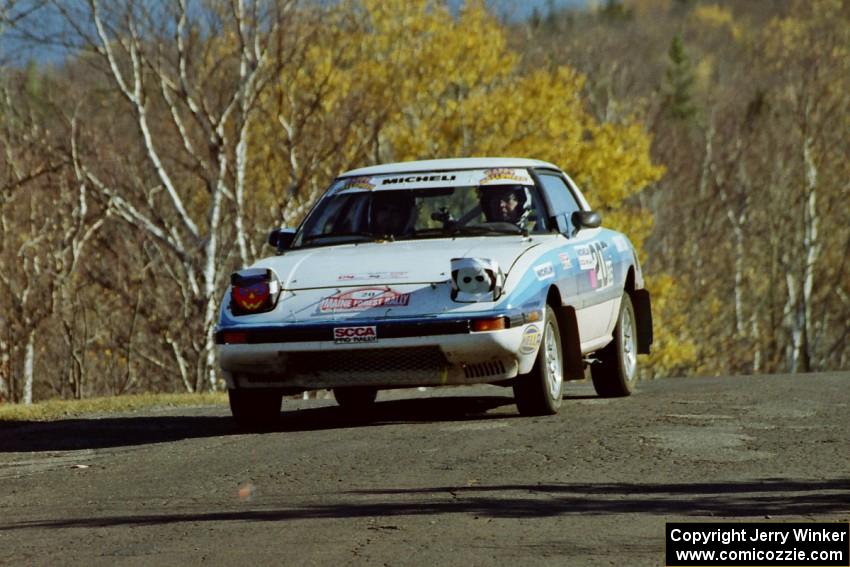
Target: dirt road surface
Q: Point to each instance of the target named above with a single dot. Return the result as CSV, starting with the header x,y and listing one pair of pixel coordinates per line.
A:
x,y
445,477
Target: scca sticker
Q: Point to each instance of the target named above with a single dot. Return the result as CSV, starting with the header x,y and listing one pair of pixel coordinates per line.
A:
x,y
531,338
344,335
566,262
364,298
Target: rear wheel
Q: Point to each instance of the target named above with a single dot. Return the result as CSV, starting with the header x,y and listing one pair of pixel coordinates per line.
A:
x,y
540,391
255,407
616,372
355,398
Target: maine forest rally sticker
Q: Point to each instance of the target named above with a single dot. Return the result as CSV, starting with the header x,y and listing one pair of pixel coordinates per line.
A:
x,y
363,298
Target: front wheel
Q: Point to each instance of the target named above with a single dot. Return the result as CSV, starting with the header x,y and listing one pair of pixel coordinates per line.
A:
x,y
616,372
540,391
254,408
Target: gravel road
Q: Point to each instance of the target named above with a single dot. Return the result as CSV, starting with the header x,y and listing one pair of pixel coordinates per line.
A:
x,y
444,477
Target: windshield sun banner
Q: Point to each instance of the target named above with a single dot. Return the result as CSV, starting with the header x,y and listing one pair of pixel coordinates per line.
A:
x,y
420,180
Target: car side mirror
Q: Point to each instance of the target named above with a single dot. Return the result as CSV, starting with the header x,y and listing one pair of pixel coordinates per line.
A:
x,y
586,219
281,238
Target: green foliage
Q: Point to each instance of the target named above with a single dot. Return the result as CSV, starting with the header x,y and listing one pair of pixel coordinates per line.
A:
x,y
33,79
535,20
679,83
615,11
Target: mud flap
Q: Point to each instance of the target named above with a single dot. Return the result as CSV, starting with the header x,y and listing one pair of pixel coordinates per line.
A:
x,y
643,314
570,343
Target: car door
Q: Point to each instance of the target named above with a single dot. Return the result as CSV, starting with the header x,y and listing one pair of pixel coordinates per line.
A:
x,y
586,260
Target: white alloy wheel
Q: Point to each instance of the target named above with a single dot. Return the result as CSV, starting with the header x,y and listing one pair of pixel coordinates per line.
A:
x,y
616,372
540,391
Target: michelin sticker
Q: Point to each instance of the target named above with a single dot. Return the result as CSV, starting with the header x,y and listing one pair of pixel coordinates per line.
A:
x,y
531,338
417,179
545,271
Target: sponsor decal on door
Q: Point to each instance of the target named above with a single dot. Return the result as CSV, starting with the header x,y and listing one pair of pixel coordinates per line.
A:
x,y
544,271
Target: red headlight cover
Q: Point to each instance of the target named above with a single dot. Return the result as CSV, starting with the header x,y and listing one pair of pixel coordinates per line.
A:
x,y
251,298
253,290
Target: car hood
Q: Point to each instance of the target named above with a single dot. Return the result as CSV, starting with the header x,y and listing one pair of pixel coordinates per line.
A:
x,y
403,262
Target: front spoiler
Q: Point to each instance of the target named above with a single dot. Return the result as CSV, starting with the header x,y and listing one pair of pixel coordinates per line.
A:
x,y
430,360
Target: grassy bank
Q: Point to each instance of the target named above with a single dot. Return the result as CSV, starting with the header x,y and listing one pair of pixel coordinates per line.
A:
x,y
59,409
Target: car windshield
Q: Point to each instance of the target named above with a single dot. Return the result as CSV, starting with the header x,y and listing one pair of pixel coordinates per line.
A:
x,y
363,215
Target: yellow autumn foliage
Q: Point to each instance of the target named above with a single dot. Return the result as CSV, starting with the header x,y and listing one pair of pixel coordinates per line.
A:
x,y
715,16
674,350
819,31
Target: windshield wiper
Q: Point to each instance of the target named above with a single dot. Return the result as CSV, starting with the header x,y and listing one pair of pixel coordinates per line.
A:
x,y
426,232
471,230
343,237
489,228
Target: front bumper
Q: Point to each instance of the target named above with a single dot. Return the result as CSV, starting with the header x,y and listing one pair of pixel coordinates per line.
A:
x,y
403,354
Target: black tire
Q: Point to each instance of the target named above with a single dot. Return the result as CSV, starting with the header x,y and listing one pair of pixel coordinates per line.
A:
x,y
355,398
255,408
540,391
616,372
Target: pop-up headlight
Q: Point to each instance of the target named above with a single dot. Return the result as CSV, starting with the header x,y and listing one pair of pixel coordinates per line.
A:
x,y
476,279
254,290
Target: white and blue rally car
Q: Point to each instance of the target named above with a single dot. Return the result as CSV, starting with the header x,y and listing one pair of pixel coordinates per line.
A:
x,y
434,273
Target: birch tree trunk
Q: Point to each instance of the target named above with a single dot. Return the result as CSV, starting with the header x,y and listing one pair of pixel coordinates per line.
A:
x,y
798,308
4,370
29,363
812,248
793,322
739,279
210,131
757,355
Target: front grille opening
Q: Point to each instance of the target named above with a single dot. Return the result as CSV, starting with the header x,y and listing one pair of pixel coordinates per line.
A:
x,y
482,369
400,361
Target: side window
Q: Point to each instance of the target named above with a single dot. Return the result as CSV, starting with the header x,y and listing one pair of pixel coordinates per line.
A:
x,y
561,201
341,214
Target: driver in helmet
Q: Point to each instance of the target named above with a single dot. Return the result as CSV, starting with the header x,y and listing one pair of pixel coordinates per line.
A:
x,y
506,203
